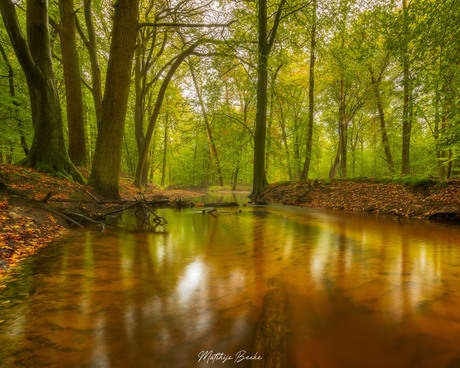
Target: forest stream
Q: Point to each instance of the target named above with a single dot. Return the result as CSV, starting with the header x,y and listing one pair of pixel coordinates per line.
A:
x,y
362,291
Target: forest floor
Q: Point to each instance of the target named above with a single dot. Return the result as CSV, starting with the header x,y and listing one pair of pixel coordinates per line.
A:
x,y
27,224
410,197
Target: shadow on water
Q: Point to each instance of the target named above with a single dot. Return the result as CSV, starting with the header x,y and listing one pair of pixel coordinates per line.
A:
x,y
362,291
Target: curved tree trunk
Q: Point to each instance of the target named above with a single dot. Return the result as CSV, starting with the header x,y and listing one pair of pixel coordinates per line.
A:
x,y
107,156
48,151
71,66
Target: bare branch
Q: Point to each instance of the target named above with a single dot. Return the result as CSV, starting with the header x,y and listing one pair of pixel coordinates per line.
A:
x,y
187,25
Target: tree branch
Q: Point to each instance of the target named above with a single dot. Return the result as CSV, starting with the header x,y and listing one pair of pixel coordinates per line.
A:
x,y
187,25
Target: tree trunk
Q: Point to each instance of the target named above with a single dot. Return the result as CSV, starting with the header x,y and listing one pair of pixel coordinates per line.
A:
x,y
407,123
235,176
91,44
22,136
343,131
156,111
107,156
139,112
311,99
284,137
165,151
383,129
259,177
48,151
71,66
212,145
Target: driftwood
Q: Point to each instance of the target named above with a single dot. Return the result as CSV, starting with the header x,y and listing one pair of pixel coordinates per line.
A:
x,y
80,216
223,204
270,339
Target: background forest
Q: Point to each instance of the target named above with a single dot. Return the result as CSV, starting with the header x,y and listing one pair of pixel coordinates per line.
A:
x,y
195,93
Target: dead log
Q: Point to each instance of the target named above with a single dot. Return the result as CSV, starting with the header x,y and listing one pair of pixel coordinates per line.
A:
x,y
270,338
223,204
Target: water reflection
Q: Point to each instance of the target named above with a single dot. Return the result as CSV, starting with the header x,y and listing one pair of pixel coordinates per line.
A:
x,y
363,292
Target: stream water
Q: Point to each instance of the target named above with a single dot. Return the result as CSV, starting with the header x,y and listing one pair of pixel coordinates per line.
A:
x,y
363,291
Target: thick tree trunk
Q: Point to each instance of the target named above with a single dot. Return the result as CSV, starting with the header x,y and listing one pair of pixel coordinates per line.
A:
x,y
48,152
71,66
107,156
407,123
311,98
259,178
212,145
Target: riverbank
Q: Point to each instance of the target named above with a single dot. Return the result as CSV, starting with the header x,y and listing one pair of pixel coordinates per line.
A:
x,y
403,198
26,224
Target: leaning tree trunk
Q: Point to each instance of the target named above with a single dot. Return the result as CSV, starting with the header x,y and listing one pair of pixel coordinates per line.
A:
x,y
48,152
71,66
107,156
156,110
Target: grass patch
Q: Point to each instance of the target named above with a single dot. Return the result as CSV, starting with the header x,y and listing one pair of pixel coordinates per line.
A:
x,y
412,182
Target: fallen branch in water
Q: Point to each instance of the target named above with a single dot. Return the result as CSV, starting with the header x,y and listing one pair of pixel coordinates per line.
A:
x,y
223,204
270,339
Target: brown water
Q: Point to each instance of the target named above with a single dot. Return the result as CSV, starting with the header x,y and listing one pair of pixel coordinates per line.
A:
x,y
363,291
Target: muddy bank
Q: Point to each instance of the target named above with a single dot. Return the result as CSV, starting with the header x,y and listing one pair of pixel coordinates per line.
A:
x,y
429,199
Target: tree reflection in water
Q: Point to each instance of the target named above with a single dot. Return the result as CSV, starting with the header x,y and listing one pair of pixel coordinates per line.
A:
x,y
363,291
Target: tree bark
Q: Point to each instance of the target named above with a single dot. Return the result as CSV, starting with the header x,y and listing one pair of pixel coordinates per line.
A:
x,y
264,47
311,97
260,180
48,152
107,156
71,66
